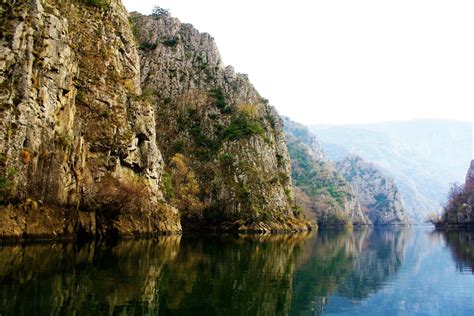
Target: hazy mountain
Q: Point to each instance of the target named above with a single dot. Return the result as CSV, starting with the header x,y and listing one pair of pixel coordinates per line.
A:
x,y
379,197
320,190
423,156
350,191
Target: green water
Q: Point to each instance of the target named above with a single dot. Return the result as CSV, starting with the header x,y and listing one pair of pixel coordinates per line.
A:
x,y
361,272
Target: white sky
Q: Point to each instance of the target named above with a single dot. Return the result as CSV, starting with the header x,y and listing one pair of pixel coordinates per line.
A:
x,y
345,61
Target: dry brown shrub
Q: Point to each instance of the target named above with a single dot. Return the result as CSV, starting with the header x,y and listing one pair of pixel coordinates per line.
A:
x,y
25,156
186,186
250,110
112,196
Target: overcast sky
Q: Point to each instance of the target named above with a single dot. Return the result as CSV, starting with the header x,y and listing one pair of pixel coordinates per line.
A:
x,y
345,61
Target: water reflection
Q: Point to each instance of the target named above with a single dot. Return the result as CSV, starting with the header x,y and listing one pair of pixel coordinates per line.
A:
x,y
354,272
352,264
53,279
379,255
461,244
222,276
250,275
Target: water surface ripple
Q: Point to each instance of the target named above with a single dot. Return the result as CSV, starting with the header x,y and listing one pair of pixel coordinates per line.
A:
x,y
393,271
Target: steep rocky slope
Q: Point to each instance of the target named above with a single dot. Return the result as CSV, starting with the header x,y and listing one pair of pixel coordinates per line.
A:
x,y
319,189
459,211
77,138
422,156
379,197
223,144
82,146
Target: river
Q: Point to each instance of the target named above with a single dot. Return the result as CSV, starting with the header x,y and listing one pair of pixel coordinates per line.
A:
x,y
390,271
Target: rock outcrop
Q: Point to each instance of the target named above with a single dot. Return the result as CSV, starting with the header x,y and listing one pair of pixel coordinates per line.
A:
x,y
97,139
319,189
379,197
224,145
77,137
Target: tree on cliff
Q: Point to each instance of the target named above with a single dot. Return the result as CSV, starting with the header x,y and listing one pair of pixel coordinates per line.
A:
x,y
158,12
456,202
455,191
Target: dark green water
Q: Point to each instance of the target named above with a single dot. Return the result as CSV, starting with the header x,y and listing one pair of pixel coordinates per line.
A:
x,y
364,272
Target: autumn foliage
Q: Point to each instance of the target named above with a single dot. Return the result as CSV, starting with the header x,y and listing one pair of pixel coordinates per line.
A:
x,y
112,196
183,187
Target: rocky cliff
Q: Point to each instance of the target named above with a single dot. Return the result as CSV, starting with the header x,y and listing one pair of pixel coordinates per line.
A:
x,y
319,189
97,139
77,137
223,144
379,197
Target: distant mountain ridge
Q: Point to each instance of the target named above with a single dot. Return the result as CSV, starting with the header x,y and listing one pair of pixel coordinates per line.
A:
x,y
350,192
423,156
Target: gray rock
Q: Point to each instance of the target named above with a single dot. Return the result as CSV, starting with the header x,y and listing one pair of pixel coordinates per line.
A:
x,y
320,189
225,134
72,121
379,197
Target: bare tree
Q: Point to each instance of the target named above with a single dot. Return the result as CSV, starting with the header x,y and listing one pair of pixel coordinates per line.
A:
x,y
456,197
456,190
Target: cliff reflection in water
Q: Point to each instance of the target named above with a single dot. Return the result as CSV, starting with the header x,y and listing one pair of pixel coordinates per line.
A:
x,y
352,264
53,279
266,275
227,276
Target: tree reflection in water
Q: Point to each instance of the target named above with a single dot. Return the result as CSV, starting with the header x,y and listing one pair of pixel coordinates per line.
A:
x,y
461,244
251,275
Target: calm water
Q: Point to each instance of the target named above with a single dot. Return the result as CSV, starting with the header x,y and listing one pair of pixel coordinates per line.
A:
x,y
389,272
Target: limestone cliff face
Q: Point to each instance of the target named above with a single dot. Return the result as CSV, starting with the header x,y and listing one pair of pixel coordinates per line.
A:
x,y
78,150
320,190
224,146
379,197
101,137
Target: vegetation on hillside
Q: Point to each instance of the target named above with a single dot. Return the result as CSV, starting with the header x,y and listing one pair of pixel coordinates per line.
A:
x,y
320,190
314,177
457,211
